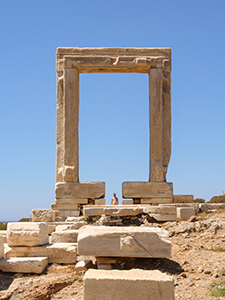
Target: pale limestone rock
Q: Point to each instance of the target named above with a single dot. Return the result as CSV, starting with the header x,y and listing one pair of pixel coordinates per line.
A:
x,y
147,190
65,236
27,234
59,253
124,241
184,213
24,264
183,199
67,213
2,240
42,215
128,285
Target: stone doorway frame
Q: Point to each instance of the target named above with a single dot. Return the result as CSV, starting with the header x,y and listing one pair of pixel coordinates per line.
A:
x,y
70,62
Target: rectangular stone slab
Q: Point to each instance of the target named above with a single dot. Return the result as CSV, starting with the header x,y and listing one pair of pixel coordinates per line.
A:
x,y
128,285
59,253
27,234
147,189
124,241
76,190
24,264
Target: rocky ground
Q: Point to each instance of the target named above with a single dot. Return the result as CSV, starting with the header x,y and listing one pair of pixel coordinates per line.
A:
x,y
197,265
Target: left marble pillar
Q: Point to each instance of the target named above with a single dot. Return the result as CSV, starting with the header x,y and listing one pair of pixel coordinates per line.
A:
x,y
71,121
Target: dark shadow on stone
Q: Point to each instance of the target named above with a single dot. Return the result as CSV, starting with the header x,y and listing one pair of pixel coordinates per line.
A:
x,y
164,265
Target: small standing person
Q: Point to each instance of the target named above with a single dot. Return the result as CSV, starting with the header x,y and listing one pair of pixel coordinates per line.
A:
x,y
114,200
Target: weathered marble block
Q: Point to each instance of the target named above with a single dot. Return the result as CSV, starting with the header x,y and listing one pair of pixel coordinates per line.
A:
x,y
27,234
128,285
24,264
124,241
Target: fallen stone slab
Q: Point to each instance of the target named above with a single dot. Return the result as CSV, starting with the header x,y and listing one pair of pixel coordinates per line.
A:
x,y
61,253
184,213
124,241
27,234
128,285
65,236
83,264
24,264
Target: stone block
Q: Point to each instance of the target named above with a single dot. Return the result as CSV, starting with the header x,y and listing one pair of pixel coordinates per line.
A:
x,y
128,285
72,201
65,206
42,215
184,213
93,211
124,241
24,264
82,265
59,253
67,213
65,236
120,211
75,190
183,199
27,234
2,240
128,201
99,201
147,189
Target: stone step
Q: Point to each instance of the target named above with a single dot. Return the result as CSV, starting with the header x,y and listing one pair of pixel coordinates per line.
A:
x,y
24,264
128,285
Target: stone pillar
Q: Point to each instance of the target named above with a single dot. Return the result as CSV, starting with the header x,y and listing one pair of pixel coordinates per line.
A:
x,y
71,121
59,129
156,125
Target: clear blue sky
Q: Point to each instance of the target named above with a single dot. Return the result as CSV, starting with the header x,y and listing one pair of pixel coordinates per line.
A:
x,y
113,108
